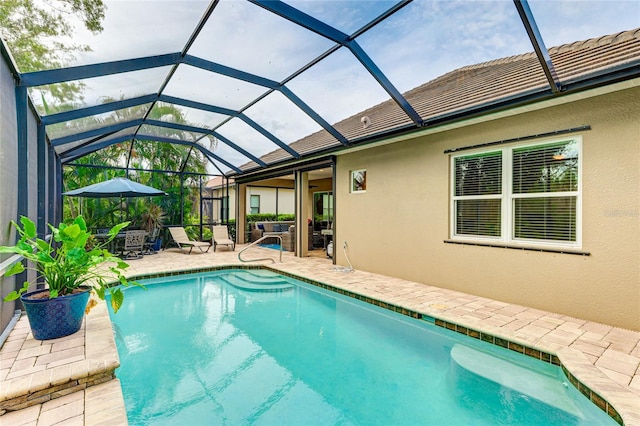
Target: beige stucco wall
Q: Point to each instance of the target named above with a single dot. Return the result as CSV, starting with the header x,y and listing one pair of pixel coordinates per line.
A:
x,y
397,227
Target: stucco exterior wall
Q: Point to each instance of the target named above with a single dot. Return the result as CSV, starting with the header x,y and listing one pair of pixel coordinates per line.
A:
x,y
398,226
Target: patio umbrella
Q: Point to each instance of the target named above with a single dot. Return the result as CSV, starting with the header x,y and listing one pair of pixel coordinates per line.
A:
x,y
116,187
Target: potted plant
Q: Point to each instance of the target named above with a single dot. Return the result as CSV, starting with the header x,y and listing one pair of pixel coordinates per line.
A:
x,y
152,222
71,266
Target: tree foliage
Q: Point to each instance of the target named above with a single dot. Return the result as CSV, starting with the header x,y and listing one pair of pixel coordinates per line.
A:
x,y
140,154
39,35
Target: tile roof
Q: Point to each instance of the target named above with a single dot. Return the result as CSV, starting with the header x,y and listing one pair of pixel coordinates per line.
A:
x,y
218,182
477,85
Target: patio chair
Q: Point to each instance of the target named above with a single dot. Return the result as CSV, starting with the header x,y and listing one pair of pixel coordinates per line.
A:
x,y
221,237
179,235
133,244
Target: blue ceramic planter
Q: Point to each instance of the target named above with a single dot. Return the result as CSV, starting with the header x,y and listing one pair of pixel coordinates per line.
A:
x,y
53,318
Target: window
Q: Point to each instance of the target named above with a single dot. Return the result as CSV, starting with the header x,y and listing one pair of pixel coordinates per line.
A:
x,y
224,209
358,180
322,210
528,194
254,204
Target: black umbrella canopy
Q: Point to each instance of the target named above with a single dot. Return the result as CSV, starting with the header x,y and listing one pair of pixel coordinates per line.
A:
x,y
116,187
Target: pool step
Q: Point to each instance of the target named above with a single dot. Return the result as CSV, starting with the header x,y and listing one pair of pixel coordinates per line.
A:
x,y
252,282
543,388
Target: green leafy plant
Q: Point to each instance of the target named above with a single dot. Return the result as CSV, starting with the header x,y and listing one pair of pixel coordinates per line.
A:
x,y
154,217
69,260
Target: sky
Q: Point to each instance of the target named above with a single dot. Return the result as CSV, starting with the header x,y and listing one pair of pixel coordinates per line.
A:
x,y
422,41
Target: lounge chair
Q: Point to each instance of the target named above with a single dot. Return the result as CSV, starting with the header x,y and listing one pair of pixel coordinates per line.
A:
x,y
181,238
221,237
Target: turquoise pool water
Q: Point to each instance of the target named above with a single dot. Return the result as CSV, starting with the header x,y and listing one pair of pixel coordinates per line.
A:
x,y
271,246
244,347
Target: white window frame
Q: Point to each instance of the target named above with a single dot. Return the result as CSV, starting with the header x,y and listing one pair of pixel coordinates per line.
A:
x,y
507,197
352,176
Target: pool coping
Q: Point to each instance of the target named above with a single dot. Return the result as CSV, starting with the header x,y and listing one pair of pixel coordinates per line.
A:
x,y
613,398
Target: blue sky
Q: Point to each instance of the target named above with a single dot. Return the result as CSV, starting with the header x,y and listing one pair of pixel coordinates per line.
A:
x,y
420,42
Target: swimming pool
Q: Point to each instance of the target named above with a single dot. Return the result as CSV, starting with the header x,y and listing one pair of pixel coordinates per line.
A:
x,y
252,347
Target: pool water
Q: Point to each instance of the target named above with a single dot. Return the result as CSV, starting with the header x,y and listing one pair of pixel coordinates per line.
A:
x,y
240,347
271,246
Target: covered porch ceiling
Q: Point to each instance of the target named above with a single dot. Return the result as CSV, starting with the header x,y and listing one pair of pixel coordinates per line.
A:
x,y
256,76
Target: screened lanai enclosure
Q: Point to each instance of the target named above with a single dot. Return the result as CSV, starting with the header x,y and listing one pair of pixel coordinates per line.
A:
x,y
174,93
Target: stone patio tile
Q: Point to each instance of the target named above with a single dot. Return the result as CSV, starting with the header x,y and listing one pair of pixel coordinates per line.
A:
x,y
529,315
15,387
62,409
594,348
7,363
592,358
569,325
30,342
619,362
102,404
14,373
510,310
40,380
519,325
560,337
10,348
596,327
28,416
473,314
60,375
55,358
533,330
620,343
34,351
22,365
68,344
594,336
497,321
547,322
617,377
